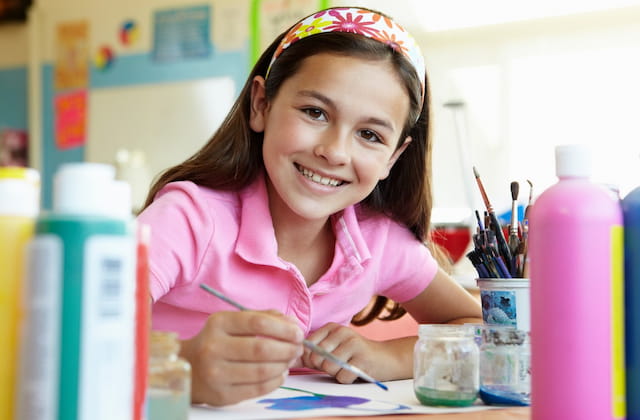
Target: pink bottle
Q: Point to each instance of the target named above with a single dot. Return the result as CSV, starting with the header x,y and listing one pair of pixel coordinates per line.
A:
x,y
577,320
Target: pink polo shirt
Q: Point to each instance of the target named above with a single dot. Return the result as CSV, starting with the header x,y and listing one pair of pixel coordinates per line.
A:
x,y
226,240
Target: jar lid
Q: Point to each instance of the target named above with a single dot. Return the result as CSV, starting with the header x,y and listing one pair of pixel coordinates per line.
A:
x,y
163,343
500,284
445,330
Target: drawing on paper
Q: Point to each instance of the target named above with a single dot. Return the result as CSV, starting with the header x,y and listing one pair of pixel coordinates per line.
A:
x,y
318,401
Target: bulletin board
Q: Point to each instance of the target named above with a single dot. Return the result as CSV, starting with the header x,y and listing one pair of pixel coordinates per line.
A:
x,y
167,108
269,18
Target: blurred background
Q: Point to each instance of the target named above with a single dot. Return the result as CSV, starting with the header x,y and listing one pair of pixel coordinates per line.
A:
x,y
143,84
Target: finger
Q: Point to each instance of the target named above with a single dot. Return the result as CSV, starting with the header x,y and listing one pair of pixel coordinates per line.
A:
x,y
357,352
261,349
321,333
256,323
234,393
331,341
242,373
311,359
343,352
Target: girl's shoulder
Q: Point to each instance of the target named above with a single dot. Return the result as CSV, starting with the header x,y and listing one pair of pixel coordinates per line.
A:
x,y
376,223
190,194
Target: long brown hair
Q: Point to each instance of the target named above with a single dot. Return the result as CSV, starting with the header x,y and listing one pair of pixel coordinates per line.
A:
x,y
232,158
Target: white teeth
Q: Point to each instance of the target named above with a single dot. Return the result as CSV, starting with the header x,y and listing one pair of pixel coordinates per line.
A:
x,y
319,179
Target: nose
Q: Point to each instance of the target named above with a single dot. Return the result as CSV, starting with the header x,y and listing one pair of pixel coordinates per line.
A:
x,y
335,147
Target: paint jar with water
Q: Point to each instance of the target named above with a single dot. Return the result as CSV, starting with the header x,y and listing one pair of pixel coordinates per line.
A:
x,y
505,366
446,365
169,392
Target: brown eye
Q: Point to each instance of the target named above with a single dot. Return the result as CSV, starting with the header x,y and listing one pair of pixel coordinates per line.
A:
x,y
314,113
370,136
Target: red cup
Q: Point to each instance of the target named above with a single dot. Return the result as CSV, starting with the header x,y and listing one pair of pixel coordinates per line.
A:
x,y
453,238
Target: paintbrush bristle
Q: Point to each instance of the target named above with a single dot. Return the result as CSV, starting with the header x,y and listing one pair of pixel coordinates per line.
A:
x,y
482,191
515,189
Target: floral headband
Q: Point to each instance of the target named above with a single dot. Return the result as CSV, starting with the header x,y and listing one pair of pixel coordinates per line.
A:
x,y
357,21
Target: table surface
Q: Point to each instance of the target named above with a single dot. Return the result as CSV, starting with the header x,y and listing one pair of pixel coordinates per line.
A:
x,y
511,413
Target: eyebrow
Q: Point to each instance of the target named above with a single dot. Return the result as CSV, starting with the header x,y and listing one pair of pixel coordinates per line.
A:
x,y
322,98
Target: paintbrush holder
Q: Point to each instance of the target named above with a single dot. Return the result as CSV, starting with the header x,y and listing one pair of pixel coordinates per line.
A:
x,y
505,302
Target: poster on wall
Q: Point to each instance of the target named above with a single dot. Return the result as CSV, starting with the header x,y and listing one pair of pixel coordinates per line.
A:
x,y
181,33
13,147
71,63
71,119
230,26
269,18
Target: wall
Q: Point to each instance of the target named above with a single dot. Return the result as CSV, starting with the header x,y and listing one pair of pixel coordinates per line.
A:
x,y
165,108
530,85
13,75
525,86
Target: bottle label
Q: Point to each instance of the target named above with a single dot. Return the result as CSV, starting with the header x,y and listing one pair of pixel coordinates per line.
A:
x,y
107,343
101,353
40,348
617,328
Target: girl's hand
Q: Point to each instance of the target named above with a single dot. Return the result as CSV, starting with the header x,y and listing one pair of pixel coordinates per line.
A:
x,y
241,355
383,360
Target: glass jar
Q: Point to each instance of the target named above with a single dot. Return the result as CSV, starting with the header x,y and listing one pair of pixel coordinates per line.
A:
x,y
505,366
446,365
169,389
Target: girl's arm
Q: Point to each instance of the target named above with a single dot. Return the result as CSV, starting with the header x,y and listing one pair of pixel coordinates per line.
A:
x,y
443,301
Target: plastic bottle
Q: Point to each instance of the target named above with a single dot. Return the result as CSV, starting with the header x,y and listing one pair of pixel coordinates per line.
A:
x,y
19,206
631,211
143,323
78,350
577,320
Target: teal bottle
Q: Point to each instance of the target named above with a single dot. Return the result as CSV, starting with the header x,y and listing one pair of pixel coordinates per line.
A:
x,y
631,212
78,351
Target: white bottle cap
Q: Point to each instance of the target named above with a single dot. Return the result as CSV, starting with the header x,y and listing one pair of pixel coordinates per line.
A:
x,y
573,161
19,191
90,189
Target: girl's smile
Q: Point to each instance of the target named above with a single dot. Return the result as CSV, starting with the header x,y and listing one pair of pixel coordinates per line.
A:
x,y
330,134
316,177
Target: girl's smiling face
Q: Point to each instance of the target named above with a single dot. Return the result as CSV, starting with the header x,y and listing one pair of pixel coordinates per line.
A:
x,y
330,134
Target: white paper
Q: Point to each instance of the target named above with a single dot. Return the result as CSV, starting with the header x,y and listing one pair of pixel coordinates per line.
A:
x,y
399,399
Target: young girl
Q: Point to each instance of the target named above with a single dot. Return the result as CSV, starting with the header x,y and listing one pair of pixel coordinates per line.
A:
x,y
313,197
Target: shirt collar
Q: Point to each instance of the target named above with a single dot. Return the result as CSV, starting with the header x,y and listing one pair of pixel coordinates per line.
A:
x,y
256,237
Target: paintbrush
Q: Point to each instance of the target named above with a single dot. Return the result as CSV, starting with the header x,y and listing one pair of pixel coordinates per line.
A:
x,y
524,245
514,240
526,210
503,248
308,344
